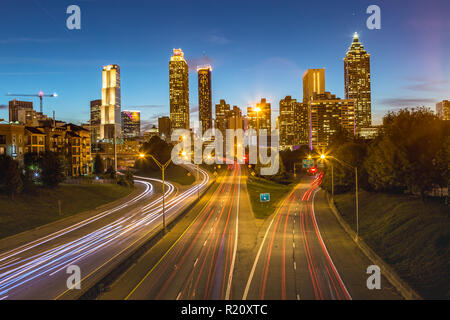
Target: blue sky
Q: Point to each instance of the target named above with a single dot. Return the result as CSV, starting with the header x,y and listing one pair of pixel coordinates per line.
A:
x,y
257,49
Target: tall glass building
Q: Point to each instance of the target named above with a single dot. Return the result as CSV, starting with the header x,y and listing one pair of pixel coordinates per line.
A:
x,y
111,102
204,97
179,90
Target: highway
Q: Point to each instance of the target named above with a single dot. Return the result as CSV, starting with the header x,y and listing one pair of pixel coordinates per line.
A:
x,y
36,269
200,264
305,254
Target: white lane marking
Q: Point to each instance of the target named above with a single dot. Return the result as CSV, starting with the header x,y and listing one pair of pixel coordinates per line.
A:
x,y
293,245
295,265
233,260
204,244
178,296
195,263
298,297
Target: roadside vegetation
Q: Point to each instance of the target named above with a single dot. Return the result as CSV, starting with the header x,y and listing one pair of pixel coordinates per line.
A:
x,y
411,235
402,175
39,207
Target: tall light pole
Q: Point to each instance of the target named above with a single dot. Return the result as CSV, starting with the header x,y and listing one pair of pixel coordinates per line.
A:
x,y
322,156
163,169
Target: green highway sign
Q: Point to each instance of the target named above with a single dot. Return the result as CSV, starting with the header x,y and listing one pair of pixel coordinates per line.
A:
x,y
308,163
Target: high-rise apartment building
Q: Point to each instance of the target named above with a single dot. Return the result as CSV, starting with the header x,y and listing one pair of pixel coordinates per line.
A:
x,y
235,118
222,114
131,124
204,97
15,106
179,90
313,82
443,110
357,81
287,123
96,119
111,103
326,114
264,116
164,128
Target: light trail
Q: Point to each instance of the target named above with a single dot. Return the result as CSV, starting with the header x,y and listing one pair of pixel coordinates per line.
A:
x,y
18,270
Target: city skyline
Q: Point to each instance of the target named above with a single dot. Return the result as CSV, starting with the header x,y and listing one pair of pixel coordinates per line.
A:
x,y
248,59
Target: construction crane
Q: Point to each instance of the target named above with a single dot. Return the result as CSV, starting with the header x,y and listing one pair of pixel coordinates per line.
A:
x,y
41,96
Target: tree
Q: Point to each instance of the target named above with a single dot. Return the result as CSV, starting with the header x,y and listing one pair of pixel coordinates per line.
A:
x,y
13,181
158,148
52,169
409,154
99,168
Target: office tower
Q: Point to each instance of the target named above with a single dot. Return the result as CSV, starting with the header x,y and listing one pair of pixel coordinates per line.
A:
x,y
313,82
301,115
235,118
286,123
95,120
164,127
131,124
15,106
357,81
204,97
179,91
326,115
264,116
443,110
111,103
222,113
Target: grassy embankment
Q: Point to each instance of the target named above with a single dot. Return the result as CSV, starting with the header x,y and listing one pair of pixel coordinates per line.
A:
x,y
411,235
277,192
28,211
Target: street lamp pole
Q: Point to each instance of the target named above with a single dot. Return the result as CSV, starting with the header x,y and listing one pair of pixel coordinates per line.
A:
x,y
257,109
163,169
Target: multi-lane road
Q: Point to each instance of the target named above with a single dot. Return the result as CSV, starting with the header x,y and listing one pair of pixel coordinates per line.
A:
x,y
299,252
37,268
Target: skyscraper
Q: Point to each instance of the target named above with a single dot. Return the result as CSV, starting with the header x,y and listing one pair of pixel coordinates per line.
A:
x,y
204,97
164,127
286,123
222,114
131,123
443,110
179,90
95,121
235,118
313,82
111,102
357,81
264,116
326,114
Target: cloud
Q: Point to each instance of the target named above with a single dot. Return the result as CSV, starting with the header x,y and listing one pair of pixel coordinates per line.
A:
x,y
218,39
151,121
147,106
193,109
407,102
429,85
3,106
194,62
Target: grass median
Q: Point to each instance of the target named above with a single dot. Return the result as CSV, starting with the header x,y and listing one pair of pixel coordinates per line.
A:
x,y
28,211
278,191
411,235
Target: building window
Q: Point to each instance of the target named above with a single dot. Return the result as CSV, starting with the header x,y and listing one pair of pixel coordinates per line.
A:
x,y
2,139
2,150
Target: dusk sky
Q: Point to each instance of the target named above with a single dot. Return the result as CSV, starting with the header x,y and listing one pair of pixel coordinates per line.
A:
x,y
257,49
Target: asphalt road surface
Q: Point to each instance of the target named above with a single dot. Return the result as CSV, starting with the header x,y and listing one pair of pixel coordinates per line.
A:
x,y
37,267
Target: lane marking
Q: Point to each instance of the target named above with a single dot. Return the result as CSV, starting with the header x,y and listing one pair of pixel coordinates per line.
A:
x,y
295,265
252,272
233,259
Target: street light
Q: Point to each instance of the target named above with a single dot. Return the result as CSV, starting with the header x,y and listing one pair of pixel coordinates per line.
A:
x,y
322,156
163,168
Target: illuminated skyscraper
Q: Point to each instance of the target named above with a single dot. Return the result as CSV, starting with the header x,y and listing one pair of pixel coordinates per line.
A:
x,y
313,82
94,124
287,123
204,97
357,81
222,114
164,127
111,103
179,91
326,114
264,116
131,123
443,110
15,106
235,118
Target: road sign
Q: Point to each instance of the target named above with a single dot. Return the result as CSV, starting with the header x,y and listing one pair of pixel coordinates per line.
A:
x,y
308,163
321,164
264,197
